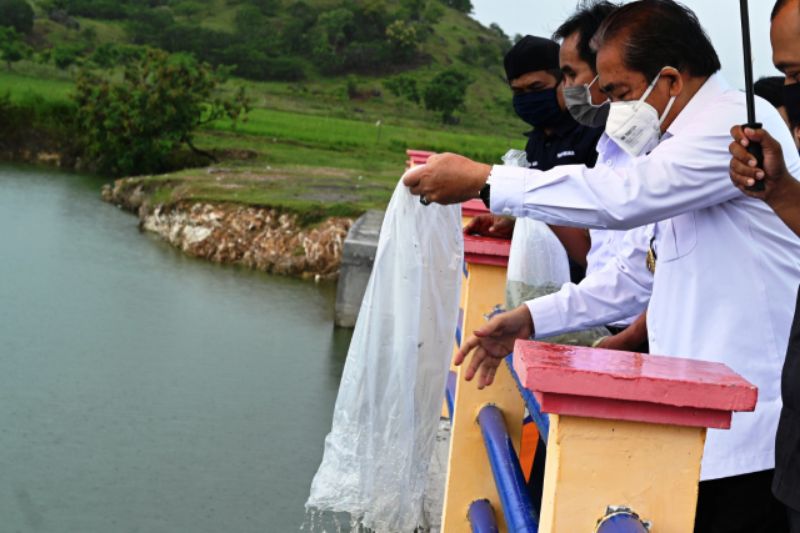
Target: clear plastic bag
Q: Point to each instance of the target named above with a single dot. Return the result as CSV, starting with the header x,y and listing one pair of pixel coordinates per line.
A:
x,y
386,416
537,262
538,265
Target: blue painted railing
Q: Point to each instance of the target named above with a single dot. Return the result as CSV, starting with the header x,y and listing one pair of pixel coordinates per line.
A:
x,y
481,517
508,476
450,393
622,521
541,419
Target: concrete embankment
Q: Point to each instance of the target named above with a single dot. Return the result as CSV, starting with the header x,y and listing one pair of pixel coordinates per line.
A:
x,y
256,237
357,259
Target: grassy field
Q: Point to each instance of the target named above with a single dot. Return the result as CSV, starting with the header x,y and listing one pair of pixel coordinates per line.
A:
x,y
24,86
312,150
368,138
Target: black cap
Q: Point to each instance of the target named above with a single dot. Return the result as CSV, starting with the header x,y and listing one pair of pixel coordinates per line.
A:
x,y
529,55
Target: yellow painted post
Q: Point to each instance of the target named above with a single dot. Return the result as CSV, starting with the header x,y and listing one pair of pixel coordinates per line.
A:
x,y
469,475
592,463
469,210
627,430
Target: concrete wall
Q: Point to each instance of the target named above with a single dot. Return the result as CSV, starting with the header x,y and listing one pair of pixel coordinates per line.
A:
x,y
358,255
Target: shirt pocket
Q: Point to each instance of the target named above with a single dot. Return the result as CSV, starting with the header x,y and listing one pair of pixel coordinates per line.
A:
x,y
677,237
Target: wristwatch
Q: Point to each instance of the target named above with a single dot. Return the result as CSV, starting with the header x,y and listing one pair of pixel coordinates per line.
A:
x,y
484,195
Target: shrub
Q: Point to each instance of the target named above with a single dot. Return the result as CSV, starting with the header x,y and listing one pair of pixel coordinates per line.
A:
x,y
98,9
66,56
12,49
133,125
16,14
404,87
446,93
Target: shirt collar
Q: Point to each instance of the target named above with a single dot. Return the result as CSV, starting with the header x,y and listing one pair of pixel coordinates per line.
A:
x,y
709,93
605,144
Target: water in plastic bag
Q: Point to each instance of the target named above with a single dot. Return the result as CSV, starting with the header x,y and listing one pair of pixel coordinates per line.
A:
x,y
537,262
386,416
538,265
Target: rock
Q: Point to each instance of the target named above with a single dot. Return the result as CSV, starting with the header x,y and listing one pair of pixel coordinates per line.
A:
x,y
255,237
49,158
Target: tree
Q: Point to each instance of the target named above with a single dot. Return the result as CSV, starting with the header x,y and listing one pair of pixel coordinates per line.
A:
x,y
17,14
267,7
249,20
446,93
12,49
403,40
132,125
465,6
66,56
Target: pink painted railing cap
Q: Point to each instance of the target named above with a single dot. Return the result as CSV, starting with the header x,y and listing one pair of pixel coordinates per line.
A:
x,y
486,250
579,374
473,208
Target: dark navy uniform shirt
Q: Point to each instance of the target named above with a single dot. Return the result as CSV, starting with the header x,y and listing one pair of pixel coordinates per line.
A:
x,y
568,144
786,483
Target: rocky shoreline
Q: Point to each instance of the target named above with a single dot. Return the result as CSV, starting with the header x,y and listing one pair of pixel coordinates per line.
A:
x,y
261,238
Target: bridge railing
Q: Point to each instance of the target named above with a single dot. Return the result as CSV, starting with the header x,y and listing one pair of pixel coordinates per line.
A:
x,y
623,431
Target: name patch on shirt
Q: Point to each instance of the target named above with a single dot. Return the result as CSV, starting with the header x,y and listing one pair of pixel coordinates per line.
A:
x,y
565,153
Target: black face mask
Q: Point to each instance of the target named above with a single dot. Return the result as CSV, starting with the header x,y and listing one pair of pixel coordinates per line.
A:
x,y
539,109
791,99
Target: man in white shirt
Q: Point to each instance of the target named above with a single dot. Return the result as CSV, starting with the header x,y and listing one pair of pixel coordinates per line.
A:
x,y
589,107
670,104
781,193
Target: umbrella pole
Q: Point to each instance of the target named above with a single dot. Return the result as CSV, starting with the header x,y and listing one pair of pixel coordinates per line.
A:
x,y
753,148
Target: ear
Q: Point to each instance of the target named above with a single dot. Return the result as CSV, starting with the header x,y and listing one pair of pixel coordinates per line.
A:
x,y
675,78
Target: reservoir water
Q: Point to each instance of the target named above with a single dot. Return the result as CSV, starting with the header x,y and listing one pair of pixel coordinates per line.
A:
x,y
144,391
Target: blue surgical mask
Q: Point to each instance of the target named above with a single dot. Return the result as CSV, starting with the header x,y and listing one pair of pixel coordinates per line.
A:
x,y
539,109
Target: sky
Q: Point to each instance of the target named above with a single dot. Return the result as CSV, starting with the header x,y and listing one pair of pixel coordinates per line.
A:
x,y
720,18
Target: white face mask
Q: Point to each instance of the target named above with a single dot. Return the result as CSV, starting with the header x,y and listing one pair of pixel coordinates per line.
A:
x,y
635,125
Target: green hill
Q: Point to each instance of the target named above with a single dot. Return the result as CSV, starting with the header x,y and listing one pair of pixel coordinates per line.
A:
x,y
336,86
327,56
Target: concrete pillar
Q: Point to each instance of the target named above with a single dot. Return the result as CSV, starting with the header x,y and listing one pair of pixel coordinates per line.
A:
x,y
358,256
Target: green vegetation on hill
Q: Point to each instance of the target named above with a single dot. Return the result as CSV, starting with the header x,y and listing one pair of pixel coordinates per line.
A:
x,y
363,96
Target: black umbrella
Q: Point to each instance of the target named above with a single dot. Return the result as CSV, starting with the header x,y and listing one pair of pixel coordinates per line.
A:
x,y
754,148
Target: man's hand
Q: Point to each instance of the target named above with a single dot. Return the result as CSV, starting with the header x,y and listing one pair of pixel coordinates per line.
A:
x,y
631,339
491,226
493,342
447,179
743,170
625,341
